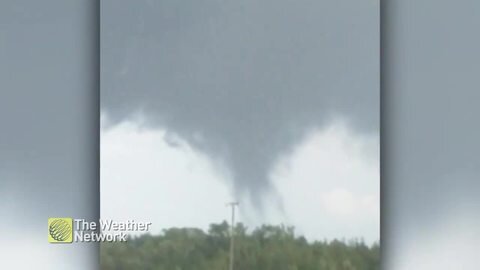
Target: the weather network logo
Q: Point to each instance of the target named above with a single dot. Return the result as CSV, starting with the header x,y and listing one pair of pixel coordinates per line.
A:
x,y
60,230
69,230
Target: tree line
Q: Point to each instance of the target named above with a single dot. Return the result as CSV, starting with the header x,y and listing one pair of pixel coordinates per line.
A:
x,y
265,248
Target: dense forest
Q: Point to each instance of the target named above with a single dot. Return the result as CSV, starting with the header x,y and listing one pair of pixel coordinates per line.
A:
x,y
264,248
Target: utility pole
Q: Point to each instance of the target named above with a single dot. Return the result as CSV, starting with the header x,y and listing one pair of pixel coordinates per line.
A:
x,y
232,231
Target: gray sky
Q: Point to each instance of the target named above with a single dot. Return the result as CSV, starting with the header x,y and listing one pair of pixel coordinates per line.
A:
x,y
431,165
247,85
48,155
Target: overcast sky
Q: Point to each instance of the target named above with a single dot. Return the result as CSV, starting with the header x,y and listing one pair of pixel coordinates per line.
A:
x,y
431,149
272,103
48,122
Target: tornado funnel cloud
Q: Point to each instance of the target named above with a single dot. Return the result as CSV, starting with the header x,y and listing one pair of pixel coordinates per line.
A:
x,y
242,81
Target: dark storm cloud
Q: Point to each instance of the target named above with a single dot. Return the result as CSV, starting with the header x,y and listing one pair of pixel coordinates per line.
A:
x,y
242,80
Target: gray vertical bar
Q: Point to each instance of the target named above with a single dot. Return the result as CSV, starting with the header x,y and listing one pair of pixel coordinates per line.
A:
x,y
49,129
430,134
